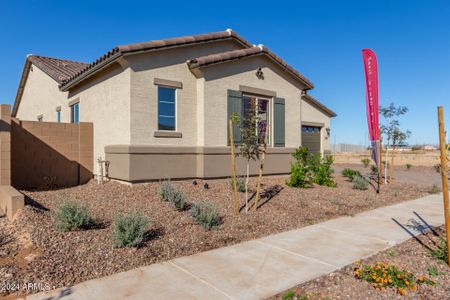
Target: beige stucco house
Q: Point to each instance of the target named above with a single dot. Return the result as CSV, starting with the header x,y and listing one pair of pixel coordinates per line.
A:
x,y
161,108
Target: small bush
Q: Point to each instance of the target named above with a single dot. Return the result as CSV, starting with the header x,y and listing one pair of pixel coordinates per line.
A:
x,y
205,214
434,189
373,170
408,167
437,168
385,275
360,183
365,161
168,192
440,253
350,173
300,176
310,168
72,215
129,229
240,184
289,295
322,171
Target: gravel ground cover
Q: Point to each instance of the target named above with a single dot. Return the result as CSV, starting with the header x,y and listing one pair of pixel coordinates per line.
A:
x,y
410,255
36,252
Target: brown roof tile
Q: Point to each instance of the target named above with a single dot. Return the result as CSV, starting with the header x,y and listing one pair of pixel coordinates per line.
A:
x,y
243,53
154,45
58,69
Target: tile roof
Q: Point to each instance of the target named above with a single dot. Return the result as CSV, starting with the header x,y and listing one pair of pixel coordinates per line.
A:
x,y
212,59
152,45
58,69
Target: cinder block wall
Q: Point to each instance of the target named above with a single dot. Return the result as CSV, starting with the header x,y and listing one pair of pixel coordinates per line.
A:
x,y
49,155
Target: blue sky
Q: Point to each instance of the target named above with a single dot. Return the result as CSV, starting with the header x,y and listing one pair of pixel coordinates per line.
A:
x,y
321,39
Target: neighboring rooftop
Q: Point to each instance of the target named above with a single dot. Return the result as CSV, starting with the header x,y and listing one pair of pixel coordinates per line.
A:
x,y
58,69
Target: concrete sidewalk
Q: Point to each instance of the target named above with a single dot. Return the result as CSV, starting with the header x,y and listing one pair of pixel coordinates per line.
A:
x,y
261,268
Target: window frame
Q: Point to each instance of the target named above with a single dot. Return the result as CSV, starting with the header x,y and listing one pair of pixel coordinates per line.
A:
x,y
175,108
270,114
72,113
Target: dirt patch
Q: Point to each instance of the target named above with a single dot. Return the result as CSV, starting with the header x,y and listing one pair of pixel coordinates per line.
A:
x,y
410,255
67,258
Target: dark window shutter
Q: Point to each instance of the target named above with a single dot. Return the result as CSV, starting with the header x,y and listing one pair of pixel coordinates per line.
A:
x,y
279,122
234,106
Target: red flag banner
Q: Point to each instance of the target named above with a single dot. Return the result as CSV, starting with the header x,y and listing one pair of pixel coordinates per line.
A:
x,y
371,73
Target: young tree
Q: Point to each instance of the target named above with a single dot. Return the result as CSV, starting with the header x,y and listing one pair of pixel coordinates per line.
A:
x,y
250,149
391,129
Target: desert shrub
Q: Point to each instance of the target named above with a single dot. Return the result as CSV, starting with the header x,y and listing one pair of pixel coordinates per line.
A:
x,y
360,183
383,275
441,251
300,176
310,168
129,229
170,193
408,167
240,184
416,148
373,170
365,161
205,213
322,171
350,173
434,189
72,215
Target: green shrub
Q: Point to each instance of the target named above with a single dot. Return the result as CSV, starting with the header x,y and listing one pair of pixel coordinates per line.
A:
x,y
373,170
72,215
240,184
300,176
205,214
360,183
289,295
322,171
350,173
310,168
170,193
408,167
129,229
440,253
365,161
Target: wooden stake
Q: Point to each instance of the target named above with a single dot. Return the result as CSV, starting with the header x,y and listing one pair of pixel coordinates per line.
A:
x,y
444,175
261,167
233,169
380,163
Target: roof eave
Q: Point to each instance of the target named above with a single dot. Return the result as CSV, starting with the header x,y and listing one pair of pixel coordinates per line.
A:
x,y
23,81
64,87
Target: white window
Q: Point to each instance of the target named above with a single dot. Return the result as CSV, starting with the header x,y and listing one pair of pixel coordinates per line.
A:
x,y
167,108
263,111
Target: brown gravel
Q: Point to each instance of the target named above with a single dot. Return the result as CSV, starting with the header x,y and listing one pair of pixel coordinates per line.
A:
x,y
67,258
410,256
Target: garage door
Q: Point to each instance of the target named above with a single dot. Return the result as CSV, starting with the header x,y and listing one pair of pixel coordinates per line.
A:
x,y
311,138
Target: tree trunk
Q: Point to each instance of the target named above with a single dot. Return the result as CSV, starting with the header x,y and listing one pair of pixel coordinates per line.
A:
x,y
391,169
246,186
